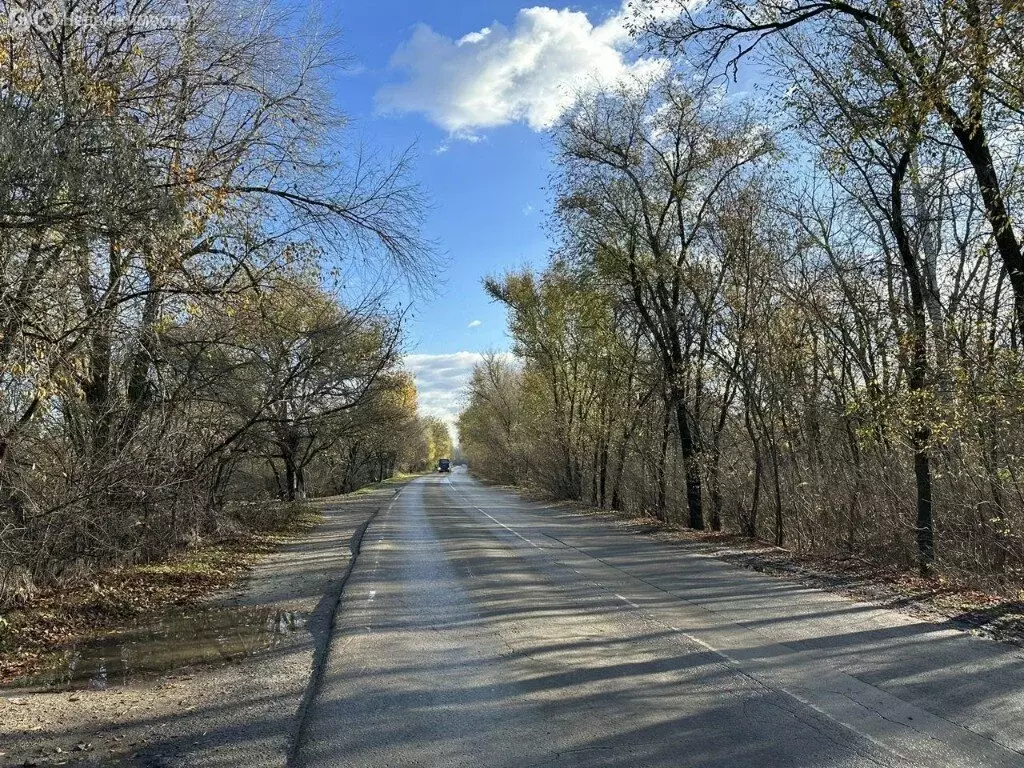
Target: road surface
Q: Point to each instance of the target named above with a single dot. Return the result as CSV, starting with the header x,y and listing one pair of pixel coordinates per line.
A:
x,y
479,629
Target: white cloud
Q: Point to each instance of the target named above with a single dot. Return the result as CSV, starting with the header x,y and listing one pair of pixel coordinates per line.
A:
x,y
441,382
475,323
527,209
530,71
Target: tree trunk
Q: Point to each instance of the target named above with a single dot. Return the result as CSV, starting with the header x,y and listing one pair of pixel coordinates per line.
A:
x,y
930,255
755,502
620,467
923,481
716,486
779,531
289,479
603,473
300,484
974,142
750,520
688,442
918,367
661,511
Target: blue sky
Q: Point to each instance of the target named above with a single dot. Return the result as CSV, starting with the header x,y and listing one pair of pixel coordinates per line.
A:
x,y
472,85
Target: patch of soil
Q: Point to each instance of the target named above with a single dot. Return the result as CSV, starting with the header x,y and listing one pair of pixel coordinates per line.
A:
x,y
85,609
240,710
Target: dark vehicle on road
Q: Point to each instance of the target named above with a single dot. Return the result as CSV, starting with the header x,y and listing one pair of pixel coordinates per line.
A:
x,y
444,465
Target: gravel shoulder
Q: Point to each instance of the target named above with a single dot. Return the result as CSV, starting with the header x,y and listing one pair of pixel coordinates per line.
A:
x,y
235,714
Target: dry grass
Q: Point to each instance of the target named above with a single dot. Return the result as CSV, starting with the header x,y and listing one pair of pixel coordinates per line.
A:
x,y
87,607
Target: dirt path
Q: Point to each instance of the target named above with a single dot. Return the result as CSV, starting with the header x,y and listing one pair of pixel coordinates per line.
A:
x,y
242,713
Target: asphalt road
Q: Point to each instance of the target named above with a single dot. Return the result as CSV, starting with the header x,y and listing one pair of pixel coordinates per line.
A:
x,y
478,629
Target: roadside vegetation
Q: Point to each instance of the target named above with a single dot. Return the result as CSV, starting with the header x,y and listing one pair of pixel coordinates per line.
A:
x,y
798,317
63,614
196,263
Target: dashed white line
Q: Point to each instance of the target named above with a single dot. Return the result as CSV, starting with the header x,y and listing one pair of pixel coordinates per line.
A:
x,y
719,652
510,530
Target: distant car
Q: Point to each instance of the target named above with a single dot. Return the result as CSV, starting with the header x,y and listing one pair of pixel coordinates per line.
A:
x,y
444,465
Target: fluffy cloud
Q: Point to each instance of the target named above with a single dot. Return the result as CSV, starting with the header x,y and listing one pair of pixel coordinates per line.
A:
x,y
531,71
475,323
441,382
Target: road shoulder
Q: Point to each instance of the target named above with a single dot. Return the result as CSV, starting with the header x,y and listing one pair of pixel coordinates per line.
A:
x,y
238,713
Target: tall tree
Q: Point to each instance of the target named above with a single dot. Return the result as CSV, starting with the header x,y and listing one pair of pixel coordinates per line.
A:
x,y
960,61
643,167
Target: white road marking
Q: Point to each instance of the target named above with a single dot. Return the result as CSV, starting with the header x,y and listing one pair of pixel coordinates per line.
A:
x,y
507,528
494,519
735,663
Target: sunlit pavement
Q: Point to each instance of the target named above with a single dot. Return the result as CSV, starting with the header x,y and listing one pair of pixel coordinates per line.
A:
x,y
479,629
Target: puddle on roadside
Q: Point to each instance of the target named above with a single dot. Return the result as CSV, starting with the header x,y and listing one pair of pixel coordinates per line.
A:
x,y
171,643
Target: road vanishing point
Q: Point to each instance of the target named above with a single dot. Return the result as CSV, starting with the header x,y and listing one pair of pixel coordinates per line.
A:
x,y
480,629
